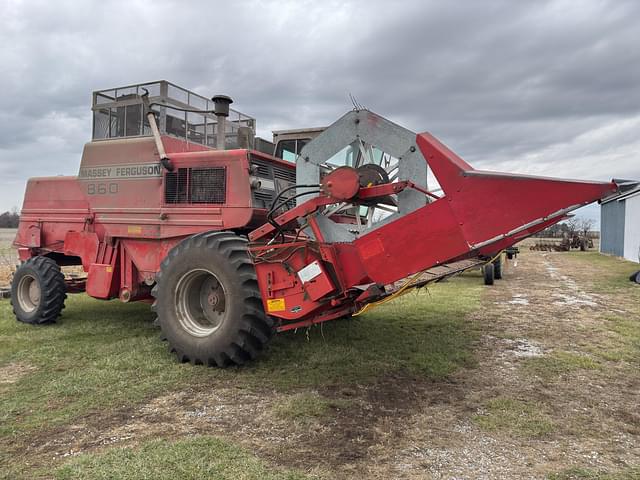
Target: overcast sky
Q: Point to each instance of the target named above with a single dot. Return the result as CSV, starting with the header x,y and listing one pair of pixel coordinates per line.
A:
x,y
550,88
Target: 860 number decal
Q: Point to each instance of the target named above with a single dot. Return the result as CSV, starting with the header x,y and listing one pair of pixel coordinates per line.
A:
x,y
102,188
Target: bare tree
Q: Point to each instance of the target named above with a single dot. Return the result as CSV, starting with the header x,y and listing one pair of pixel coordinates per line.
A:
x,y
585,225
573,226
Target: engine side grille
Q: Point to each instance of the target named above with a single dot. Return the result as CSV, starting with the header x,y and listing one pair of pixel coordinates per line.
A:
x,y
262,199
176,185
208,185
196,186
280,178
284,173
263,167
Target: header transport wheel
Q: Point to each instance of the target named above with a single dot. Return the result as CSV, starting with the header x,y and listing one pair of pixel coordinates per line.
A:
x,y
488,273
208,303
497,268
38,291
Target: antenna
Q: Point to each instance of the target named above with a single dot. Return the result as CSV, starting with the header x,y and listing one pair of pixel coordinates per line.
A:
x,y
354,101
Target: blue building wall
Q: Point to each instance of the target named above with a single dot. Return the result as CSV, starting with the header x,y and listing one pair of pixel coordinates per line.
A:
x,y
612,228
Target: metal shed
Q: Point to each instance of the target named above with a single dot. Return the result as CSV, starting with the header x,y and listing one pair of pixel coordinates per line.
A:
x,y
620,224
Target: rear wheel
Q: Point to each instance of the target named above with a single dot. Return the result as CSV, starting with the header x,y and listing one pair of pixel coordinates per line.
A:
x,y
488,273
38,291
208,303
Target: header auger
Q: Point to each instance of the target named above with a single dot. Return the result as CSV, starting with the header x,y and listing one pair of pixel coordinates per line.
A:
x,y
175,204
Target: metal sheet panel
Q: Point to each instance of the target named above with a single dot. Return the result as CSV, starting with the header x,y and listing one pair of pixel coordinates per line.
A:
x,y
375,130
612,219
372,129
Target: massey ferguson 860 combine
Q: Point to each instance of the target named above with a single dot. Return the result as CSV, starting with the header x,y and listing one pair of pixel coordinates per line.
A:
x,y
173,205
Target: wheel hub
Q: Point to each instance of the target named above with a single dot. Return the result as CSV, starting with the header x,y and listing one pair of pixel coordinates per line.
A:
x,y
29,293
200,303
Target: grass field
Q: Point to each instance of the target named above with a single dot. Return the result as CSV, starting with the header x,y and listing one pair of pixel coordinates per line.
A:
x,y
106,355
402,391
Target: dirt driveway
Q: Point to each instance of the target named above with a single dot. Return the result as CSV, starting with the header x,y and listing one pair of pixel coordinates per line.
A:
x,y
553,393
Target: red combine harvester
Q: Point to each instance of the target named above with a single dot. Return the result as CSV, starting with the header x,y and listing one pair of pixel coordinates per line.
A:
x,y
172,204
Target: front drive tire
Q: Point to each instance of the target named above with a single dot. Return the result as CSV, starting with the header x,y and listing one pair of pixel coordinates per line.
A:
x,y
38,291
208,303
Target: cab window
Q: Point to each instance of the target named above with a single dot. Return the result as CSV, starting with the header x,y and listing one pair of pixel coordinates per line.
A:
x,y
289,149
286,150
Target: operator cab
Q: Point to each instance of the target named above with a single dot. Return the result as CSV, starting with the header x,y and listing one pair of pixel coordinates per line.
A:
x,y
287,144
186,122
118,113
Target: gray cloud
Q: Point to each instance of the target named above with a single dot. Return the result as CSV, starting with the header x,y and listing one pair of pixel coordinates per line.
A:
x,y
542,87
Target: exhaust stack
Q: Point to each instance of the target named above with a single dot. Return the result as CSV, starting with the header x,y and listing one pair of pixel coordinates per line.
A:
x,y
221,109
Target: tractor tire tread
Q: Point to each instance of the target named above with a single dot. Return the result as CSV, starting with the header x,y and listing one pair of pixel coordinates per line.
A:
x,y
254,327
52,287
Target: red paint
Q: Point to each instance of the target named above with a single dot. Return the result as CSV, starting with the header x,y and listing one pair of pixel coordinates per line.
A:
x,y
130,232
121,238
480,214
341,184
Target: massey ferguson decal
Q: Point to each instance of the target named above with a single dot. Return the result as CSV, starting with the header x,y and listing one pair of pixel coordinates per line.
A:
x,y
117,172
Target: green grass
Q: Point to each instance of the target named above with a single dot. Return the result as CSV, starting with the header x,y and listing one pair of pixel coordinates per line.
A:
x,y
102,354
306,407
106,356
613,273
577,473
559,363
624,342
516,417
423,334
195,458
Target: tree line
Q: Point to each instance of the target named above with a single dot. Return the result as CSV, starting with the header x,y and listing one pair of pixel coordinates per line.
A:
x,y
569,228
9,219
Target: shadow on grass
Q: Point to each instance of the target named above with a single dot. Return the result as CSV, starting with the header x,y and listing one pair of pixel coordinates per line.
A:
x,y
107,355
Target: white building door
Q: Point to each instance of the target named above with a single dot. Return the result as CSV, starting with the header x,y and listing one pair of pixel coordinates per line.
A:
x,y
632,228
